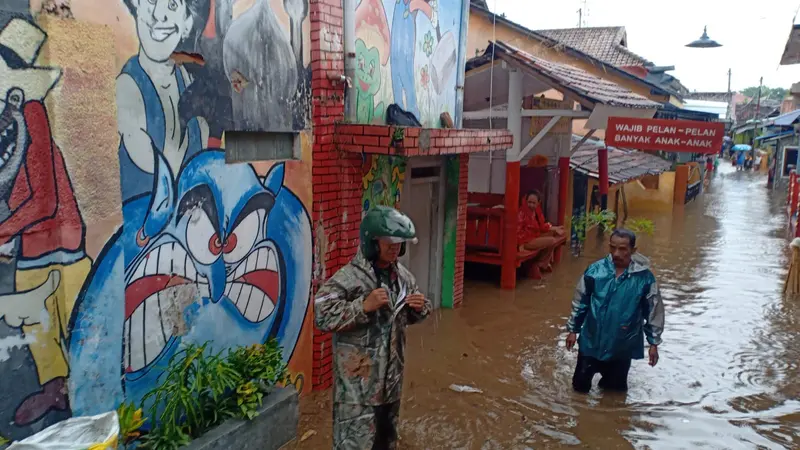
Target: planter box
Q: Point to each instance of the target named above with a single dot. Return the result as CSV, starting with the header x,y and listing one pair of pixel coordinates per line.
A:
x,y
274,427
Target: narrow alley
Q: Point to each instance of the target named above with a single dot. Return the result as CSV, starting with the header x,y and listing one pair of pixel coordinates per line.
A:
x,y
728,375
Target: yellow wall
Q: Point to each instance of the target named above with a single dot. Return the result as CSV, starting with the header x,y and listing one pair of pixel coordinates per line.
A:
x,y
480,33
641,199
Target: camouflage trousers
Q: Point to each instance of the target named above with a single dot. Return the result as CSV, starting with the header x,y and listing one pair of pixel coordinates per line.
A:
x,y
365,427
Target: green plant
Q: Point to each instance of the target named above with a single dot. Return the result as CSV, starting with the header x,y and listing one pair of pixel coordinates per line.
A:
x,y
200,390
4,441
607,220
398,134
641,225
130,421
584,222
262,363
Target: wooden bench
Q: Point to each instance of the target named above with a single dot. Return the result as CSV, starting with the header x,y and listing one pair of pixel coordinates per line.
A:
x,y
484,236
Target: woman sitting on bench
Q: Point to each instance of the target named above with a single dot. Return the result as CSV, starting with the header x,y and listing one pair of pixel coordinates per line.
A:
x,y
534,233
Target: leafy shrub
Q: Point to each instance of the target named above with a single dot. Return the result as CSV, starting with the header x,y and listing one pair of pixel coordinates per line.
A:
x,y
200,390
130,422
607,221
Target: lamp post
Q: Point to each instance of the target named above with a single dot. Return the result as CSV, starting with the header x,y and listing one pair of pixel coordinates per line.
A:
x,y
704,41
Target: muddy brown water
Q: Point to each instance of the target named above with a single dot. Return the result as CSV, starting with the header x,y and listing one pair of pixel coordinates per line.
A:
x,y
728,378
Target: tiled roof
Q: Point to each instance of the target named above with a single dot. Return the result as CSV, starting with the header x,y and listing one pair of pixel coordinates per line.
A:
x,y
595,89
603,43
623,165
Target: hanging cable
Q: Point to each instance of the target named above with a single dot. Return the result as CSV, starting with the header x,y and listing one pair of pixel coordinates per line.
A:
x,y
491,89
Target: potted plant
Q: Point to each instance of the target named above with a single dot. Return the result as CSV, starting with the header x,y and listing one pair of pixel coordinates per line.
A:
x,y
218,401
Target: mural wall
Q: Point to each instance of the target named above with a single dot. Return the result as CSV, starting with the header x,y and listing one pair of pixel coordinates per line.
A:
x,y
406,54
382,181
124,234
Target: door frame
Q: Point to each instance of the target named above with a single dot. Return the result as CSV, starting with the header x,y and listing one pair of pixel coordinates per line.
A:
x,y
783,157
436,263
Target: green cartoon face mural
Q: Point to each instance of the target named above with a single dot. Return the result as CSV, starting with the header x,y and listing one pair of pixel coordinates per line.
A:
x,y
368,69
368,82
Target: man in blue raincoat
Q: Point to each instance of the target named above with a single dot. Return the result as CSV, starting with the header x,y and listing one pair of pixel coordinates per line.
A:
x,y
616,304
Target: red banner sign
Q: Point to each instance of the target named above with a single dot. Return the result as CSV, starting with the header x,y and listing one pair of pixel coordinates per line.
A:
x,y
667,135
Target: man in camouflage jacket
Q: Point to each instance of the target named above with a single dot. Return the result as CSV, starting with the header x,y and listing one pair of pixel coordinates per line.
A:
x,y
367,304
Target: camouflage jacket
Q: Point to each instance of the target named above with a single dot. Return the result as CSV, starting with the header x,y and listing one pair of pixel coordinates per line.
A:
x,y
368,348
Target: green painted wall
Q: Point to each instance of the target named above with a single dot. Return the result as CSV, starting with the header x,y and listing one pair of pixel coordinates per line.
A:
x,y
450,225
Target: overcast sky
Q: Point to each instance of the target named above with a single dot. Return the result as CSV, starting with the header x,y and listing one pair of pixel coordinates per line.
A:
x,y
753,34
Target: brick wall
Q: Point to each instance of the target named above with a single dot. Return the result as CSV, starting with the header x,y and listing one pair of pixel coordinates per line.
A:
x,y
461,231
332,172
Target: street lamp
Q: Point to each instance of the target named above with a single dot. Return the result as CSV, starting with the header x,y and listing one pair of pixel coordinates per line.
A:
x,y
704,41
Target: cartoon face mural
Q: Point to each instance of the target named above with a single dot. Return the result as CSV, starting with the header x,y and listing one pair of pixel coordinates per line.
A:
x,y
418,54
368,81
41,241
204,260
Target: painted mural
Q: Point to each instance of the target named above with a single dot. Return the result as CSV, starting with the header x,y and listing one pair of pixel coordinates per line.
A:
x,y
406,53
42,239
193,249
382,181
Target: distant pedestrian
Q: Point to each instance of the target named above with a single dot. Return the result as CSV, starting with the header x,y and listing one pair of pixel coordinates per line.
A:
x,y
740,160
367,304
616,304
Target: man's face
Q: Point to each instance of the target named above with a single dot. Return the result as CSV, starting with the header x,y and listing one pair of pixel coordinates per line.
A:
x,y
621,251
532,201
161,24
389,252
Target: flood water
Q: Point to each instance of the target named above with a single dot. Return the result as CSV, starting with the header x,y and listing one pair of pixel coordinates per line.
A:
x,y
728,377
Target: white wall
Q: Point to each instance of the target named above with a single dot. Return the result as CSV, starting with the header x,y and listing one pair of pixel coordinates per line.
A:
x,y
479,173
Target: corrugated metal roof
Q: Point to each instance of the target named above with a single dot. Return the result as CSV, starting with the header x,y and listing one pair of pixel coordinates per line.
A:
x,y
595,89
769,137
787,119
623,165
603,43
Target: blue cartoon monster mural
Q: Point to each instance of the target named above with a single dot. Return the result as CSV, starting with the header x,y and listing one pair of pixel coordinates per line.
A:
x,y
202,260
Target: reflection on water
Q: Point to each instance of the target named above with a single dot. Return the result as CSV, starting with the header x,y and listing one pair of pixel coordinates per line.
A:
x,y
728,377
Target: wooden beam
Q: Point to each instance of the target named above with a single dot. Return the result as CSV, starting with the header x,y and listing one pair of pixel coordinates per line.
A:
x,y
538,137
555,112
503,113
582,141
514,124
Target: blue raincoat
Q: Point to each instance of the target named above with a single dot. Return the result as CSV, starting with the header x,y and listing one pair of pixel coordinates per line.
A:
x,y
612,315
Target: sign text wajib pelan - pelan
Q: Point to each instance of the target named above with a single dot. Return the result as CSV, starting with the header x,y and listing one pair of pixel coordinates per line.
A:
x,y
667,135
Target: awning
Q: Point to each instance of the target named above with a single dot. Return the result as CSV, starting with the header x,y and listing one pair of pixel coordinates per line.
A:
x,y
774,136
623,165
604,98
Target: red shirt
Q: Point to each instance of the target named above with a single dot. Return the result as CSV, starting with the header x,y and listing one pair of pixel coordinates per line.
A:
x,y
43,206
530,224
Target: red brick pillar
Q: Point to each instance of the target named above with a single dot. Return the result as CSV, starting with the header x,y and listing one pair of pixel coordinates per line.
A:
x,y
461,230
327,60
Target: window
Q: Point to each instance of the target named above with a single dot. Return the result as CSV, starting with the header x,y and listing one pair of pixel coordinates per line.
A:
x,y
251,146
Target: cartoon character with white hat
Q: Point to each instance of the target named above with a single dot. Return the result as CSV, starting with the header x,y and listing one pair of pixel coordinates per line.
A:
x,y
41,212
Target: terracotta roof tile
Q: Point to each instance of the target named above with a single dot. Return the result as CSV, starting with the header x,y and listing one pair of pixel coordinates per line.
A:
x,y
623,165
603,43
579,81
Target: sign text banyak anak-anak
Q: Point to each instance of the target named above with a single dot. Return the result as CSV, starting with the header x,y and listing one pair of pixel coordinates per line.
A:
x,y
667,135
